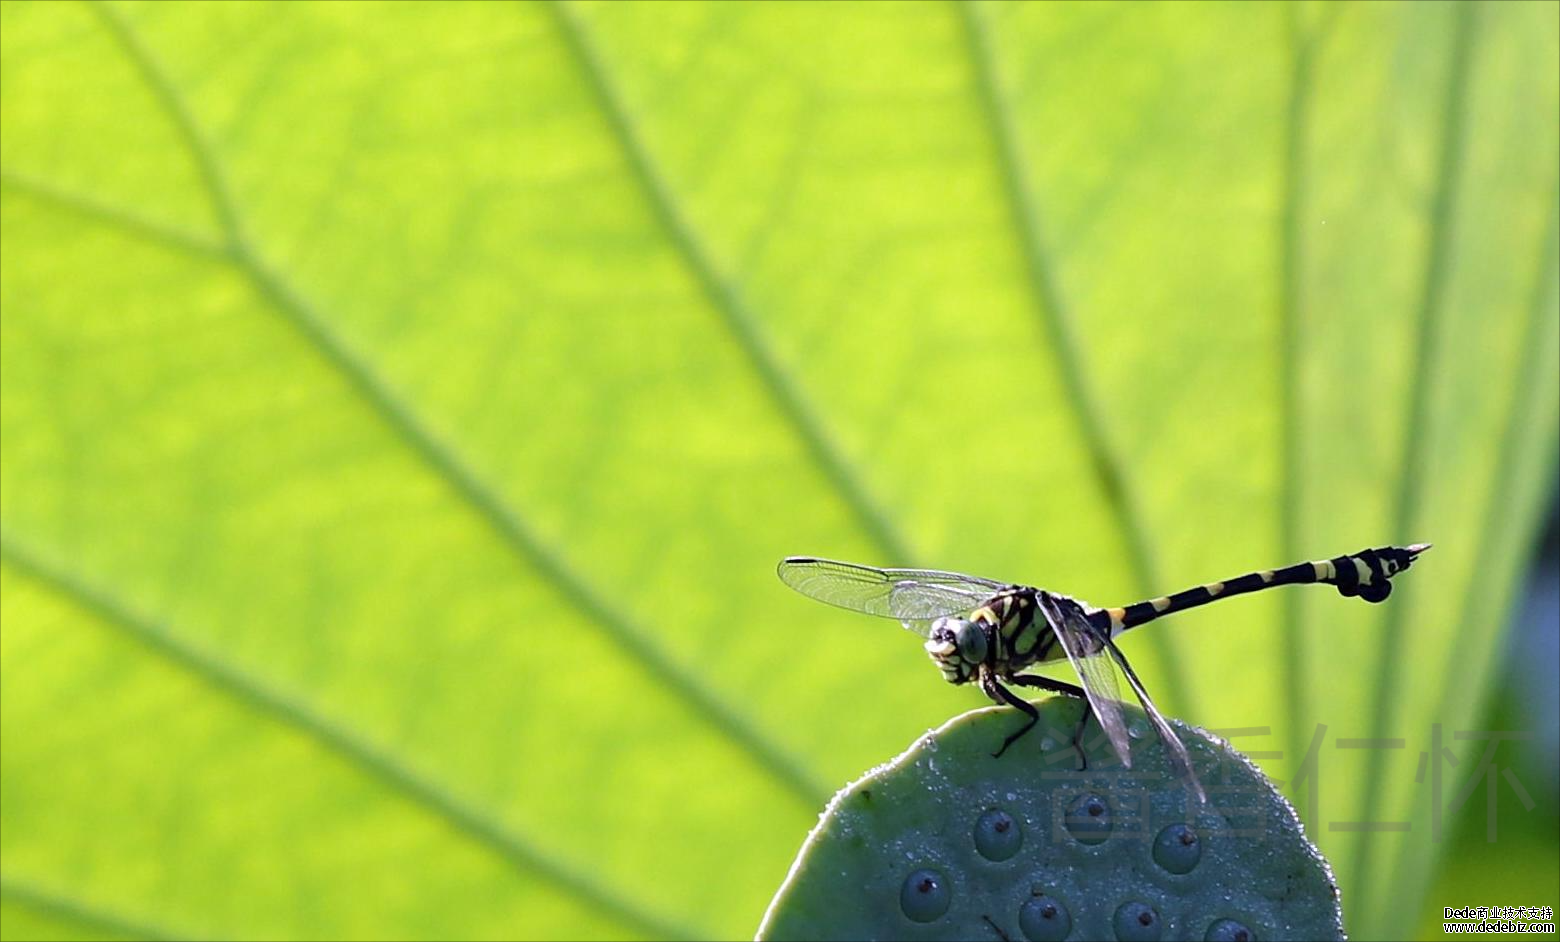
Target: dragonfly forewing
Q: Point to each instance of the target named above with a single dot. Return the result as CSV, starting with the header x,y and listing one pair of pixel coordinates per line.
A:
x,y
1082,647
1175,750
913,597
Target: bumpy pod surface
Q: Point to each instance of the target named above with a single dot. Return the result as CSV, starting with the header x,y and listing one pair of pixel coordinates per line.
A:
x,y
947,842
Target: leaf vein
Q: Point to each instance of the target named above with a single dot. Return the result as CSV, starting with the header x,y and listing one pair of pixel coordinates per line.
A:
x,y
1473,621
148,229
723,296
506,522
1426,345
168,96
336,738
62,906
1051,311
1292,664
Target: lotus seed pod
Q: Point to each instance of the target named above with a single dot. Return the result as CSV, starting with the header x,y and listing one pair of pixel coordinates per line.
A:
x,y
947,842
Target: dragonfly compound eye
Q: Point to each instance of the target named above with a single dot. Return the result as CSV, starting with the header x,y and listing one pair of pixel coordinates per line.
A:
x,y
971,640
943,646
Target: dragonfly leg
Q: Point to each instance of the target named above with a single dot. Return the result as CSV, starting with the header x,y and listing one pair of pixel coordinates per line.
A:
x,y
1066,690
1001,694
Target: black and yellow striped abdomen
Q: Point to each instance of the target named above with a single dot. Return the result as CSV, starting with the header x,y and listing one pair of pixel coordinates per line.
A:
x,y
1366,574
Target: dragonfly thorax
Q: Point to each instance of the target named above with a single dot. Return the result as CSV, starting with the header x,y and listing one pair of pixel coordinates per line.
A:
x,y
958,646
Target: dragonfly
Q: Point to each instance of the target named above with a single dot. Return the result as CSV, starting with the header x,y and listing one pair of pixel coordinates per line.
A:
x,y
986,632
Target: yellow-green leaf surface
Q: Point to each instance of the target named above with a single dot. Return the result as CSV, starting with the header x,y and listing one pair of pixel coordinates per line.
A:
x,y
404,407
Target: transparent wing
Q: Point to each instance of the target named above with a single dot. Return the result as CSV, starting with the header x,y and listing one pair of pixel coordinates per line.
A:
x,y
1096,659
1180,762
1083,649
907,595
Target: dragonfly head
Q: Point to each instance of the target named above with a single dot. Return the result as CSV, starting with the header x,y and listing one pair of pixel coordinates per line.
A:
x,y
958,646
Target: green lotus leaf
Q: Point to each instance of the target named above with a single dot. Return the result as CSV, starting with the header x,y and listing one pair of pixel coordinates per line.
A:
x,y
403,408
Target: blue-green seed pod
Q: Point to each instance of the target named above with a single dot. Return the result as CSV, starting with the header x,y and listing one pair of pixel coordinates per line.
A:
x,y
947,842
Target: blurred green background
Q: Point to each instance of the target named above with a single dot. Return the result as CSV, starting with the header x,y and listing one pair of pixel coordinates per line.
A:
x,y
404,407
